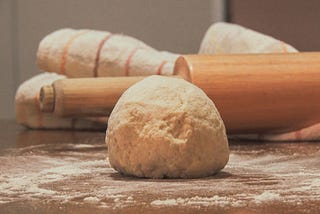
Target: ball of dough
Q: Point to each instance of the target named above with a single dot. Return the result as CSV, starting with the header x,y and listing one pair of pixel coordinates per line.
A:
x,y
165,127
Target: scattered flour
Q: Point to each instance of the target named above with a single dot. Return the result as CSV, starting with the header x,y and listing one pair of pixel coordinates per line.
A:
x,y
250,179
266,196
221,201
166,202
92,200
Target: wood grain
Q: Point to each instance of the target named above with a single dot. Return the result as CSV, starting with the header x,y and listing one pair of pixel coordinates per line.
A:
x,y
89,96
68,172
255,93
261,92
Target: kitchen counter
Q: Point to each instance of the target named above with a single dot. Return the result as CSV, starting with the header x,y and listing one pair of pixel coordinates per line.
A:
x,y
68,172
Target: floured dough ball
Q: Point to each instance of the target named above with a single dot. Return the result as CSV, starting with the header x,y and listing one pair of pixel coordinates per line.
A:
x,y
166,127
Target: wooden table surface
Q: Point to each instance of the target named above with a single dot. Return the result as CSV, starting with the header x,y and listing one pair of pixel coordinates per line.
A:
x,y
68,172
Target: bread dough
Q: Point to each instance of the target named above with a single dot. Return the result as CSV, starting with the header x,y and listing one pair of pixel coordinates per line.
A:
x,y
164,127
88,53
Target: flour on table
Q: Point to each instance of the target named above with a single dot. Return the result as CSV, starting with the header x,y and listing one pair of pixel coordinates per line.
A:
x,y
70,174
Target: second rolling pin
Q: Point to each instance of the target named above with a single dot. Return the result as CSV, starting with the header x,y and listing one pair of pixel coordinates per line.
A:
x,y
254,93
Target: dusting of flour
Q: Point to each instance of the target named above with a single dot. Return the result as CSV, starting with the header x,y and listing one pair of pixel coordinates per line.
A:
x,y
80,174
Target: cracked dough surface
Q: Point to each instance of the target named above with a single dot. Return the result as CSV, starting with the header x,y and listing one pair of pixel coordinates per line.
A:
x,y
165,127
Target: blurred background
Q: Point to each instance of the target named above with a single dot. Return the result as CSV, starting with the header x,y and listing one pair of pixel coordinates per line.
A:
x,y
176,26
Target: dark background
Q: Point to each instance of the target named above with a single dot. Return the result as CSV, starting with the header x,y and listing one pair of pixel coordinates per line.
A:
x,y
296,22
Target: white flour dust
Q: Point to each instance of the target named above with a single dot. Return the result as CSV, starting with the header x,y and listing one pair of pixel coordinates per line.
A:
x,y
266,196
81,174
203,201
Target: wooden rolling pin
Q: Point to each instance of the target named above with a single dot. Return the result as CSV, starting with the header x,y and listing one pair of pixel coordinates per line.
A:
x,y
254,93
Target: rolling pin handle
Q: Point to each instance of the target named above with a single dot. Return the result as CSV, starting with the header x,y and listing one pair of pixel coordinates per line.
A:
x,y
47,98
183,68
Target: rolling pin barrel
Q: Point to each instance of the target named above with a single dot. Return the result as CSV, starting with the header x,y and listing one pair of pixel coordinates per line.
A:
x,y
254,93
84,96
258,92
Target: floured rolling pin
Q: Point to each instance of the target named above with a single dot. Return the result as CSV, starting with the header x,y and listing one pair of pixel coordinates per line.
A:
x,y
255,93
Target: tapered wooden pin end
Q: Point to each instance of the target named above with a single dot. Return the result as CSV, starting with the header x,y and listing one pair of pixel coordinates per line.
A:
x,y
182,68
47,98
